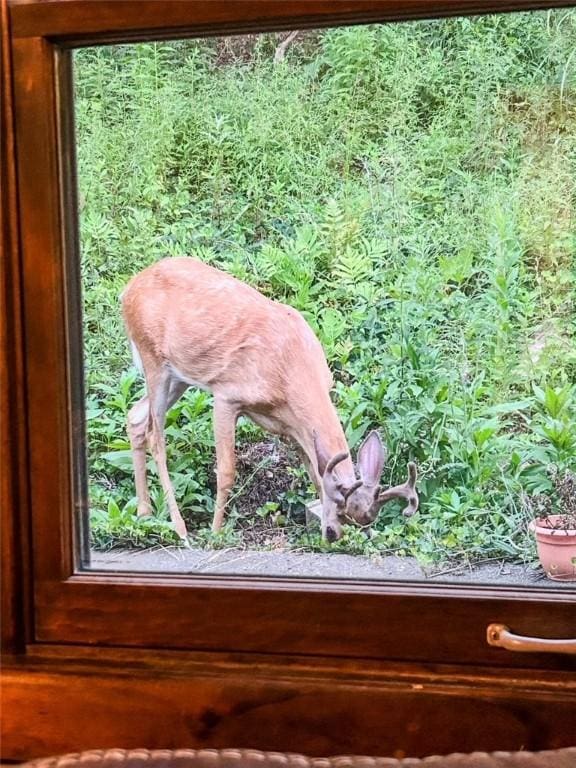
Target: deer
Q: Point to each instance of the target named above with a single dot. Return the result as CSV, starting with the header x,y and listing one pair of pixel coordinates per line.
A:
x,y
192,325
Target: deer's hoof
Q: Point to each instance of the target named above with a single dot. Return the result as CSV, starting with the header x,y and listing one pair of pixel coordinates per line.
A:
x,y
180,528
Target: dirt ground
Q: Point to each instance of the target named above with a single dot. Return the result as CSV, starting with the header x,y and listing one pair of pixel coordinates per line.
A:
x,y
332,566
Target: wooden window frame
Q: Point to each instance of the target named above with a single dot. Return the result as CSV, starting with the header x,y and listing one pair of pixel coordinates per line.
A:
x,y
48,600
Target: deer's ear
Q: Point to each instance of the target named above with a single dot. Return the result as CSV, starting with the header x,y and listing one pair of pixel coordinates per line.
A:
x,y
322,456
371,458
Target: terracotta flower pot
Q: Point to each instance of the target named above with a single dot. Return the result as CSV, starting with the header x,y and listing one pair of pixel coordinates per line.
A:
x,y
556,548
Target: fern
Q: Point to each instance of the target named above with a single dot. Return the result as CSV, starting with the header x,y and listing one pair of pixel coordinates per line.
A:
x,y
352,266
339,230
266,263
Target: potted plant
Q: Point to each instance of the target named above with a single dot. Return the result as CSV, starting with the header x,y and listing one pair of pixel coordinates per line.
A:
x,y
556,532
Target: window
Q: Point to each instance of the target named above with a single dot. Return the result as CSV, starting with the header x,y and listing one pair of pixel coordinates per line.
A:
x,y
410,621
406,186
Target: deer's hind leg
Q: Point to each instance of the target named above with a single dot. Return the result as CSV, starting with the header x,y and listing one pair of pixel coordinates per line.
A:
x,y
138,418
146,422
163,391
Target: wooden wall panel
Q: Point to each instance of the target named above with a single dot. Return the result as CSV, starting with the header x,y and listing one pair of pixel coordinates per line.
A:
x,y
81,22
13,448
321,711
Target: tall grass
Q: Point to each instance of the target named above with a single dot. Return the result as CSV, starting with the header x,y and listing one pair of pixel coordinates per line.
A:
x,y
410,188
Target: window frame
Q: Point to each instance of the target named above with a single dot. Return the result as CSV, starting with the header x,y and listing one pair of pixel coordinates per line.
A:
x,y
408,621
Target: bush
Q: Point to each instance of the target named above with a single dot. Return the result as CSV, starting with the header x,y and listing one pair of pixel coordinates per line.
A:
x,y
409,188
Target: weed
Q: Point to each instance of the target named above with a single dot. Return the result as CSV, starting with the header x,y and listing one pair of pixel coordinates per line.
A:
x,y
409,188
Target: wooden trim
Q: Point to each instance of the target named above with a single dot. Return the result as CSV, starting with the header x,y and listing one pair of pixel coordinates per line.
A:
x,y
84,22
283,617
308,707
78,529
13,449
45,310
529,682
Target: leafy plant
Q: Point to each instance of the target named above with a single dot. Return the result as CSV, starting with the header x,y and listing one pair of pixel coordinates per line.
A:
x,y
409,188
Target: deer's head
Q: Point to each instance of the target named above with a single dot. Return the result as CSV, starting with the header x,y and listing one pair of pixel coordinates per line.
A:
x,y
359,501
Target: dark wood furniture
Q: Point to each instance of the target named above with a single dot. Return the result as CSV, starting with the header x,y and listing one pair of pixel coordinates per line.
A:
x,y
94,660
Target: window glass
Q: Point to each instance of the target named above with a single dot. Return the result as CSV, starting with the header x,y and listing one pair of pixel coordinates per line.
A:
x,y
408,189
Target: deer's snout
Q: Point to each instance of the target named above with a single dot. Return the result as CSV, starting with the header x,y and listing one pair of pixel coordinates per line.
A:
x,y
331,535
333,531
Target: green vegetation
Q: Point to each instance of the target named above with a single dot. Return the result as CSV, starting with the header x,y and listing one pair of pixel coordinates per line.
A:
x,y
410,189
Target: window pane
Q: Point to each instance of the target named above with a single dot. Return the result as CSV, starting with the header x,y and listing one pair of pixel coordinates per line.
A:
x,y
408,189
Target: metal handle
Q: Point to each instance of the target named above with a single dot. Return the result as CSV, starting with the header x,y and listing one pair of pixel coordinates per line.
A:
x,y
499,635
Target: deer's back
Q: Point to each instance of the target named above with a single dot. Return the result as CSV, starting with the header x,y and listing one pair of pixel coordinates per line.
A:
x,y
218,332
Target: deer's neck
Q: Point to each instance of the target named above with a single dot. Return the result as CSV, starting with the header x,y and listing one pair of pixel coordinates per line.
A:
x,y
323,420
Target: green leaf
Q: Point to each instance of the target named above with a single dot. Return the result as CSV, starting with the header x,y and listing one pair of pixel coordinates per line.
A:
x,y
455,500
113,510
119,459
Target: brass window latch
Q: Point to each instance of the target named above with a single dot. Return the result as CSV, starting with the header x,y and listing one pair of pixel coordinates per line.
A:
x,y
499,635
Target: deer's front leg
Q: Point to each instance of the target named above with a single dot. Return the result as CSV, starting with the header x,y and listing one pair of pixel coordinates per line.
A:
x,y
225,417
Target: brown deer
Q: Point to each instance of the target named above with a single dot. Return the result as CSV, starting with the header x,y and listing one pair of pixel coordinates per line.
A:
x,y
190,324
